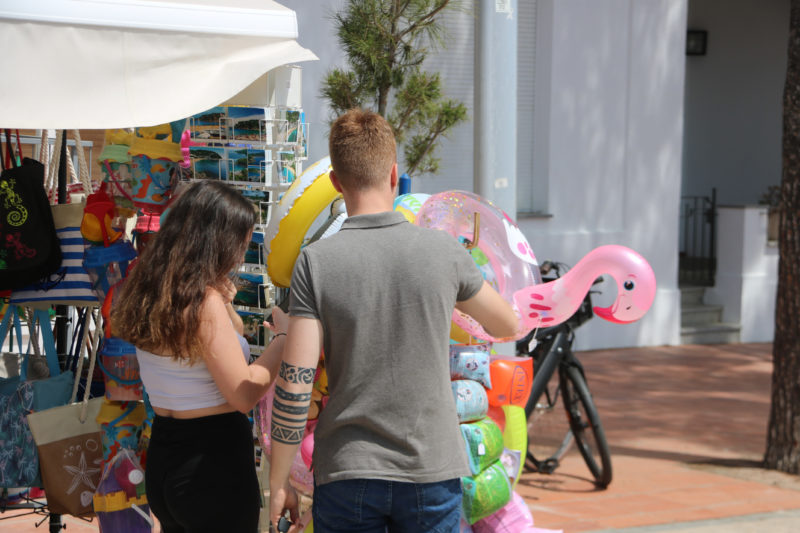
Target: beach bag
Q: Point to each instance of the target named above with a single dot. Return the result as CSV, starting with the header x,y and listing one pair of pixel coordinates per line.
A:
x,y
19,397
70,284
69,443
29,247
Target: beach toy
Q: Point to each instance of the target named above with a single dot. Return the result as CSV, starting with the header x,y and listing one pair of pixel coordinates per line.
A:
x,y
117,360
485,493
513,517
300,476
554,302
484,442
155,161
307,448
120,501
471,401
496,244
97,224
512,378
291,219
120,427
410,204
114,163
470,362
515,441
147,225
107,266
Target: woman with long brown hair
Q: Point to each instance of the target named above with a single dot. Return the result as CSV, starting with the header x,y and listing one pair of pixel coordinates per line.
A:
x,y
175,307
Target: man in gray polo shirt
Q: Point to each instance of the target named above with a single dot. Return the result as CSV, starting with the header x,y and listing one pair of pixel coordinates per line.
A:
x,y
377,299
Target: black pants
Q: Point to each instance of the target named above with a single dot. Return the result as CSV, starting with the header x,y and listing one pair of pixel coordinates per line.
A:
x,y
200,475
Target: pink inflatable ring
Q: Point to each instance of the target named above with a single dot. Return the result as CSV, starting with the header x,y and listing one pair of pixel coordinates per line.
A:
x,y
501,252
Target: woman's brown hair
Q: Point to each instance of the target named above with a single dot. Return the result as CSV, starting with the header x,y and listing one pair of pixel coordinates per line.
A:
x,y
202,239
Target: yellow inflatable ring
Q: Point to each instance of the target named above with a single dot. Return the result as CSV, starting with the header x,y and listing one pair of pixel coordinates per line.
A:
x,y
301,204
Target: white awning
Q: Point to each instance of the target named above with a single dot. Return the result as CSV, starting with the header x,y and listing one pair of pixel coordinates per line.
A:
x,y
122,63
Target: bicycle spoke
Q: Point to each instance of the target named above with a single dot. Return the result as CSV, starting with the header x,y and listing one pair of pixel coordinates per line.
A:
x,y
549,435
586,427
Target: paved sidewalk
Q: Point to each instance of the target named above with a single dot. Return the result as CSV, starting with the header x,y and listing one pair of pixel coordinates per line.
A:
x,y
687,428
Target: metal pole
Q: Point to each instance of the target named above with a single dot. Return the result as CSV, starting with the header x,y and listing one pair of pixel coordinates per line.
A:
x,y
495,154
61,310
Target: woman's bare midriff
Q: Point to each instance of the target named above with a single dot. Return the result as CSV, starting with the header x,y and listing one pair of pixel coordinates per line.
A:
x,y
194,413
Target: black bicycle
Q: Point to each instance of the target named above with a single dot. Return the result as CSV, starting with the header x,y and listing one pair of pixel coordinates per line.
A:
x,y
559,374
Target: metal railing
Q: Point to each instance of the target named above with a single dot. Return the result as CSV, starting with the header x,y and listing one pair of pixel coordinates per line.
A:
x,y
697,263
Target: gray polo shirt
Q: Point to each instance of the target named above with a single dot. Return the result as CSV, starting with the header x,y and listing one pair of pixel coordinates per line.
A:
x,y
384,291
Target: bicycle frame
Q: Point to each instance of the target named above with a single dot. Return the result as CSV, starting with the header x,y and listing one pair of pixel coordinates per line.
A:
x,y
553,354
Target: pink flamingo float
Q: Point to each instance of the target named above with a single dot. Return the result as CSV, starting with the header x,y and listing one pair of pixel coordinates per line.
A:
x,y
552,303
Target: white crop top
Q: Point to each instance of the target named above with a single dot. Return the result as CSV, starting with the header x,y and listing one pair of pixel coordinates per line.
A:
x,y
178,386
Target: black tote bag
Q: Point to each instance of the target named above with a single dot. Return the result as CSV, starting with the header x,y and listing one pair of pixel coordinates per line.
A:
x,y
29,246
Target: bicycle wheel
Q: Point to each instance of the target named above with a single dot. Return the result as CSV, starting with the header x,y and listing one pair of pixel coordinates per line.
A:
x,y
582,416
549,435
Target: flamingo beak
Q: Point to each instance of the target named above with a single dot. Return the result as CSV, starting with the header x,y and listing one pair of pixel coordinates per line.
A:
x,y
606,313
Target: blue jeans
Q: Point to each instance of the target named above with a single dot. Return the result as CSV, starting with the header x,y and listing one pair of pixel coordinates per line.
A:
x,y
378,506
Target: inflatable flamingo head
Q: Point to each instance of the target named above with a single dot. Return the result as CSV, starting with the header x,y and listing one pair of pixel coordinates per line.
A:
x,y
636,284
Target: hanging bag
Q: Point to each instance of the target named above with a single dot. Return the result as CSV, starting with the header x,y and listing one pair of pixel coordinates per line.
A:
x,y
29,248
70,284
69,443
20,397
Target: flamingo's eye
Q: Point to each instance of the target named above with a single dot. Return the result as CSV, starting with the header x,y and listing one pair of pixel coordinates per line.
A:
x,y
628,285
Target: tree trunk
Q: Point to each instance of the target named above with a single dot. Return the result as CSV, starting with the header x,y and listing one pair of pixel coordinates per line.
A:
x,y
783,435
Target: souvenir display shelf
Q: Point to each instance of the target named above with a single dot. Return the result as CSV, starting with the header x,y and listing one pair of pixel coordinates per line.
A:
x,y
259,151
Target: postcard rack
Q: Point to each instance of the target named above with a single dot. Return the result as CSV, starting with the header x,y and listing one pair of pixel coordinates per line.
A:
x,y
260,152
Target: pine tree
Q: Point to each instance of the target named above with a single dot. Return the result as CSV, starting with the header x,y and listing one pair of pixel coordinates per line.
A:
x,y
386,42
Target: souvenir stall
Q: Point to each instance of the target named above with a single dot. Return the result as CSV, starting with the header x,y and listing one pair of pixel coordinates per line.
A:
x,y
185,90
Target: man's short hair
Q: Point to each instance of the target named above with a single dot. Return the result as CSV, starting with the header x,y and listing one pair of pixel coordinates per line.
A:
x,y
362,149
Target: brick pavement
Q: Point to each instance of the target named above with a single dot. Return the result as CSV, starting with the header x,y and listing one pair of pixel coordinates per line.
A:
x,y
687,427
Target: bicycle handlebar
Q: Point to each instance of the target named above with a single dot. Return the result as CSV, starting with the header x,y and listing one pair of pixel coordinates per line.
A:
x,y
581,315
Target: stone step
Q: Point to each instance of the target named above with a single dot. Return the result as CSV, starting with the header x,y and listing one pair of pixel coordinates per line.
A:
x,y
698,315
692,295
719,333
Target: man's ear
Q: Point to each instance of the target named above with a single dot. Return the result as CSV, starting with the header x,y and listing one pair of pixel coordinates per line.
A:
x,y
335,181
393,176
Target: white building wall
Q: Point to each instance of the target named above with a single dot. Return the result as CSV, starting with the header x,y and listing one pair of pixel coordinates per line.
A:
x,y
734,99
608,127
747,272
614,149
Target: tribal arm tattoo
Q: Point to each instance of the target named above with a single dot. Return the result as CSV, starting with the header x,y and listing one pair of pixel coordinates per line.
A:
x,y
290,409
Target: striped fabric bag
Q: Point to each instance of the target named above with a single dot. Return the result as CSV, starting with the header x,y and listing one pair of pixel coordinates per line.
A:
x,y
70,284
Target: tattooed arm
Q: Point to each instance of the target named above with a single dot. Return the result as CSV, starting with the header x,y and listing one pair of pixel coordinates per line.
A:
x,y
290,409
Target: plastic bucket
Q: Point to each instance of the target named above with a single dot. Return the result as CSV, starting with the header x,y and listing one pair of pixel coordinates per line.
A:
x,y
120,370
